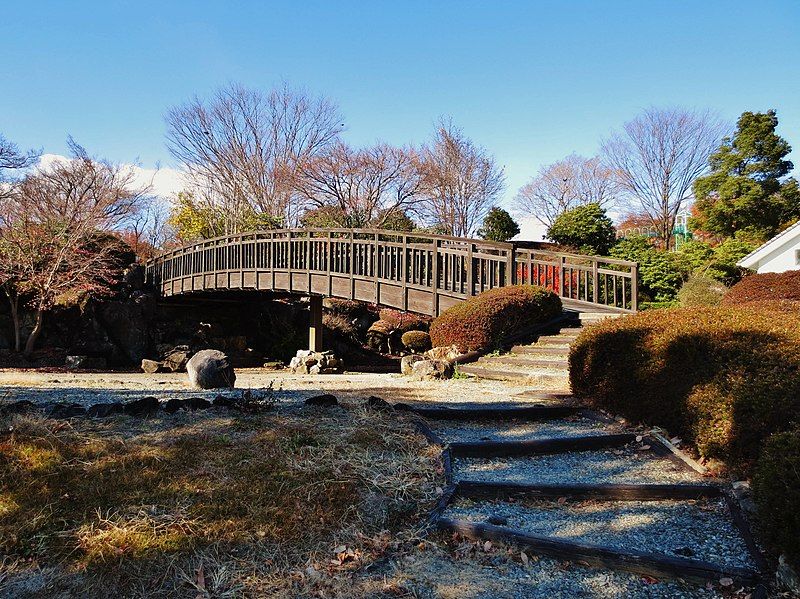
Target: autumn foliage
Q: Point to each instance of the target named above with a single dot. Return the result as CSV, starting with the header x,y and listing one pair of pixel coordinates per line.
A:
x,y
766,286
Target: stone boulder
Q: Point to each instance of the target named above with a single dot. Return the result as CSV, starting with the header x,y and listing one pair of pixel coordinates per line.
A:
x,y
407,362
176,359
85,363
311,362
152,367
425,370
210,369
447,353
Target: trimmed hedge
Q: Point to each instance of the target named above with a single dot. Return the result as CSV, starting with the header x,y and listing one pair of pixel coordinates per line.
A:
x,y
776,487
765,287
404,321
417,342
701,290
722,378
483,321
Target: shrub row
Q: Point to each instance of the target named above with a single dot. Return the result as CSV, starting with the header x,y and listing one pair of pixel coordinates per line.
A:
x,y
726,379
767,286
482,322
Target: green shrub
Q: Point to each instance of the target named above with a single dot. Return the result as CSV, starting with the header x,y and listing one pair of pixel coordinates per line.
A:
x,y
482,322
417,342
404,321
776,487
723,379
701,290
767,286
661,273
586,228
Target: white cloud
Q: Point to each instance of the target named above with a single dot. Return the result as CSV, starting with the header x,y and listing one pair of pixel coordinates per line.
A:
x,y
165,182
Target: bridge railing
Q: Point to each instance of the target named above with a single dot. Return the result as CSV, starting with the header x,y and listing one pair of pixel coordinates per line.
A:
x,y
410,271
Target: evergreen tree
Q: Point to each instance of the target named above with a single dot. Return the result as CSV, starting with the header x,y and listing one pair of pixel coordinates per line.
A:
x,y
498,225
586,228
746,190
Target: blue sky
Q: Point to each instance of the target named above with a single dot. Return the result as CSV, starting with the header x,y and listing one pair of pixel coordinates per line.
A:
x,y
530,81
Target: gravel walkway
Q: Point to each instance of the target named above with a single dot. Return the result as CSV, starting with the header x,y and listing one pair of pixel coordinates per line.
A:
x,y
695,529
518,430
626,465
500,574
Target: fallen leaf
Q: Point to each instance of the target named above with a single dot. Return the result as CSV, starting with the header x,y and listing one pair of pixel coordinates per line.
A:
x,y
639,438
649,580
524,557
726,582
340,549
644,448
201,578
562,500
487,546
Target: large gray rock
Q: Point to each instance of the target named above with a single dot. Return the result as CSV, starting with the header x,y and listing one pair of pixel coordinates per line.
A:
x,y
210,369
407,362
426,370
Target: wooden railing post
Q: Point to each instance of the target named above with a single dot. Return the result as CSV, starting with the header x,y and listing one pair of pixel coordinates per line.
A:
x,y
315,323
470,269
634,288
435,277
561,262
403,271
595,282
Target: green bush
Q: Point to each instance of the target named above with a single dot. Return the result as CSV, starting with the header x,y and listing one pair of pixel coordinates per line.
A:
x,y
498,225
722,378
776,487
766,286
417,342
661,273
482,322
586,228
701,290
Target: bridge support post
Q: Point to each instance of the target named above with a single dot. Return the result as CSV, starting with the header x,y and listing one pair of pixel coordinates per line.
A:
x,y
315,323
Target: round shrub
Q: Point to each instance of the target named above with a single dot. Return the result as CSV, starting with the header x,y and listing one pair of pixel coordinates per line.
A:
x,y
339,326
700,290
766,286
404,321
483,321
417,342
776,487
347,308
722,378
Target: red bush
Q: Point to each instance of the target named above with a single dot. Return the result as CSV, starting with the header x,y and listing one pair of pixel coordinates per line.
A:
x,y
482,322
404,321
767,286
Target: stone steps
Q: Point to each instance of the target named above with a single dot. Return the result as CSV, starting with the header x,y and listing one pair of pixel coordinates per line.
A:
x,y
526,361
532,376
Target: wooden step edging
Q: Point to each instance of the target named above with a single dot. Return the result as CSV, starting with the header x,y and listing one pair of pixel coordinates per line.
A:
x,y
639,562
494,449
470,489
540,412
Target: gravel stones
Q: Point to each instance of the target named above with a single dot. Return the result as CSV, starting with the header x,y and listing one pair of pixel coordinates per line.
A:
x,y
605,466
700,529
312,362
518,429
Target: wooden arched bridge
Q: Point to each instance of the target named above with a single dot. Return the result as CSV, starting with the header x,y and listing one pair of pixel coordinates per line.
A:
x,y
410,271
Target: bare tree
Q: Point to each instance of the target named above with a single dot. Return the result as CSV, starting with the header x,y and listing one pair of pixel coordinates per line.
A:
x,y
462,181
12,159
364,186
558,187
242,148
657,156
57,233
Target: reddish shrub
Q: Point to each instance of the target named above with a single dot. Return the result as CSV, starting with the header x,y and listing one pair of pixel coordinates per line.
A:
x,y
767,286
404,321
482,322
722,378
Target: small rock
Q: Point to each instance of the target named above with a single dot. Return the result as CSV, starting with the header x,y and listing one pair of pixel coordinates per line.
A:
x,y
685,551
497,520
70,410
407,363
376,403
220,401
322,401
448,353
141,407
23,406
104,410
151,366
210,369
432,370
177,359
84,363
173,405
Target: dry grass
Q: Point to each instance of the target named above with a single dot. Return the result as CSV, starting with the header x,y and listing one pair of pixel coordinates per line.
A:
x,y
277,504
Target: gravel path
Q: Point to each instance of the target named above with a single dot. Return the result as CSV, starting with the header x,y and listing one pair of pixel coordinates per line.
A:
x,y
625,465
518,430
500,574
695,529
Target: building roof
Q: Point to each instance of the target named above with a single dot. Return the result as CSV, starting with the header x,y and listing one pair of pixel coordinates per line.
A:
x,y
752,259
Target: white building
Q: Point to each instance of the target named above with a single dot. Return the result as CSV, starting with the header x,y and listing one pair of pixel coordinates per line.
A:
x,y
779,254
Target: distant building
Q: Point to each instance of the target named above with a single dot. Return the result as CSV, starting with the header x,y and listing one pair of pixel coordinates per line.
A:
x,y
779,254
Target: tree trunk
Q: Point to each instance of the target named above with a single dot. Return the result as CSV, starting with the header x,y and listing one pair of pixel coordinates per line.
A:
x,y
13,300
37,329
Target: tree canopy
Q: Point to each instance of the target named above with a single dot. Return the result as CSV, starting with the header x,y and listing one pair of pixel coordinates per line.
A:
x,y
498,225
586,228
746,190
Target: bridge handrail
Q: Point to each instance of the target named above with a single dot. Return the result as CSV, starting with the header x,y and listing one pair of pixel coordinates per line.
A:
x,y
445,267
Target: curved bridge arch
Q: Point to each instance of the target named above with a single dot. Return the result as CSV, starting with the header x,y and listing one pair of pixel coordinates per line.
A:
x,y
415,272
